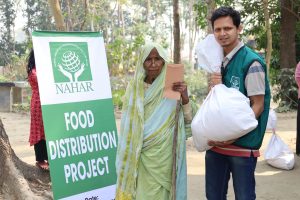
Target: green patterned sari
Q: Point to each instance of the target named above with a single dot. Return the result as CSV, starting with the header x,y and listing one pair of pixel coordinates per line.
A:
x,y
144,156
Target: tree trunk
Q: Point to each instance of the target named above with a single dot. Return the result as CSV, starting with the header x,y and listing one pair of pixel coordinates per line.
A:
x,y
192,30
58,17
92,13
269,34
148,10
176,32
19,180
86,12
287,36
171,38
69,24
211,5
287,55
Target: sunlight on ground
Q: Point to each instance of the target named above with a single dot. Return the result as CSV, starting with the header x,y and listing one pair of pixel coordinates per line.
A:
x,y
267,173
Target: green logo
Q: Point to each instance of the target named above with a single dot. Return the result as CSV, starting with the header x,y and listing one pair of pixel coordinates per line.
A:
x,y
70,61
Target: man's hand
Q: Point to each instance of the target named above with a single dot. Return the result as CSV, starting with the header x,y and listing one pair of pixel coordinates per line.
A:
x,y
215,79
216,143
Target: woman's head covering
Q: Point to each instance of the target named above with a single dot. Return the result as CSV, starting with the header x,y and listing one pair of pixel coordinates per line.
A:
x,y
145,51
135,89
132,123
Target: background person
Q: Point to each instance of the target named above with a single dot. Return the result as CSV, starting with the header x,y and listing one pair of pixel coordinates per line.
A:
x,y
37,135
144,156
245,71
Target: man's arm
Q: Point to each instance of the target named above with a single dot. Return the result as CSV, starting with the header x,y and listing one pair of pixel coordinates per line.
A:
x,y
257,104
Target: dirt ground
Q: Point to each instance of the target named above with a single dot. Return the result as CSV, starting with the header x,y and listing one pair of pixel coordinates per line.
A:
x,y
271,183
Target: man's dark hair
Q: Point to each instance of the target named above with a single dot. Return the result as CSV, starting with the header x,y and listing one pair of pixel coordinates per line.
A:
x,y
224,12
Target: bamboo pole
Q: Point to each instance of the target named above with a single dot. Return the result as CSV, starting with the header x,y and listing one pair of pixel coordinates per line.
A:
x,y
174,151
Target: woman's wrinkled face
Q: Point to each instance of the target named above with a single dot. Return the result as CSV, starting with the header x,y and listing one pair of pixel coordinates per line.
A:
x,y
153,65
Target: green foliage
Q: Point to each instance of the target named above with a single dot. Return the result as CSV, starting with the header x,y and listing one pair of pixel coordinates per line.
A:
x,y
38,17
275,62
197,83
3,79
117,96
21,108
7,17
122,54
286,92
118,86
16,71
254,22
202,9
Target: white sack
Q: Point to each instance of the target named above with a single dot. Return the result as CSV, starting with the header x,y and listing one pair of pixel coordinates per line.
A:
x,y
224,115
209,54
272,120
278,154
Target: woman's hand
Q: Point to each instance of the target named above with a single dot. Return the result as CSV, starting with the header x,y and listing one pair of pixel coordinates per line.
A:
x,y
181,87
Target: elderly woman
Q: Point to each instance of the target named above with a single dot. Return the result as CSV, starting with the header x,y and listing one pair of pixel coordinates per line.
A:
x,y
144,157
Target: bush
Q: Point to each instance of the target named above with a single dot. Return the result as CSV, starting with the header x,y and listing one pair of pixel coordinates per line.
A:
x,y
197,85
3,79
117,96
285,90
118,87
21,108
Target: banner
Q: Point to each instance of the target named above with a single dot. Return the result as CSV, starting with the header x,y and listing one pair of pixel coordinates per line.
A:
x,y
78,114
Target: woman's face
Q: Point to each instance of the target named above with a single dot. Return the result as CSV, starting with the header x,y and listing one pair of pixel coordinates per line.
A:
x,y
153,65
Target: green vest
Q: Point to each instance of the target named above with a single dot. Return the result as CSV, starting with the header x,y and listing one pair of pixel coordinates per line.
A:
x,y
234,76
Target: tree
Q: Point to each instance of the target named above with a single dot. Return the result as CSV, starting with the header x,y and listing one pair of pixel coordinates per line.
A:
x,y
205,9
211,5
176,32
19,180
57,14
189,30
286,93
75,14
284,36
287,34
269,34
7,17
38,16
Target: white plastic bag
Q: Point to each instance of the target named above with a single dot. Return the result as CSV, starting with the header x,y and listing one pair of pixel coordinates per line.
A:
x,y
278,154
224,115
209,54
272,121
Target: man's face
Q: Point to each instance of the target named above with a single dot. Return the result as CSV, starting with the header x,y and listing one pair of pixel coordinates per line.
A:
x,y
226,33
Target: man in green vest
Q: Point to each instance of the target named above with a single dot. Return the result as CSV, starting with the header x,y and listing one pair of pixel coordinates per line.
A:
x,y
245,71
